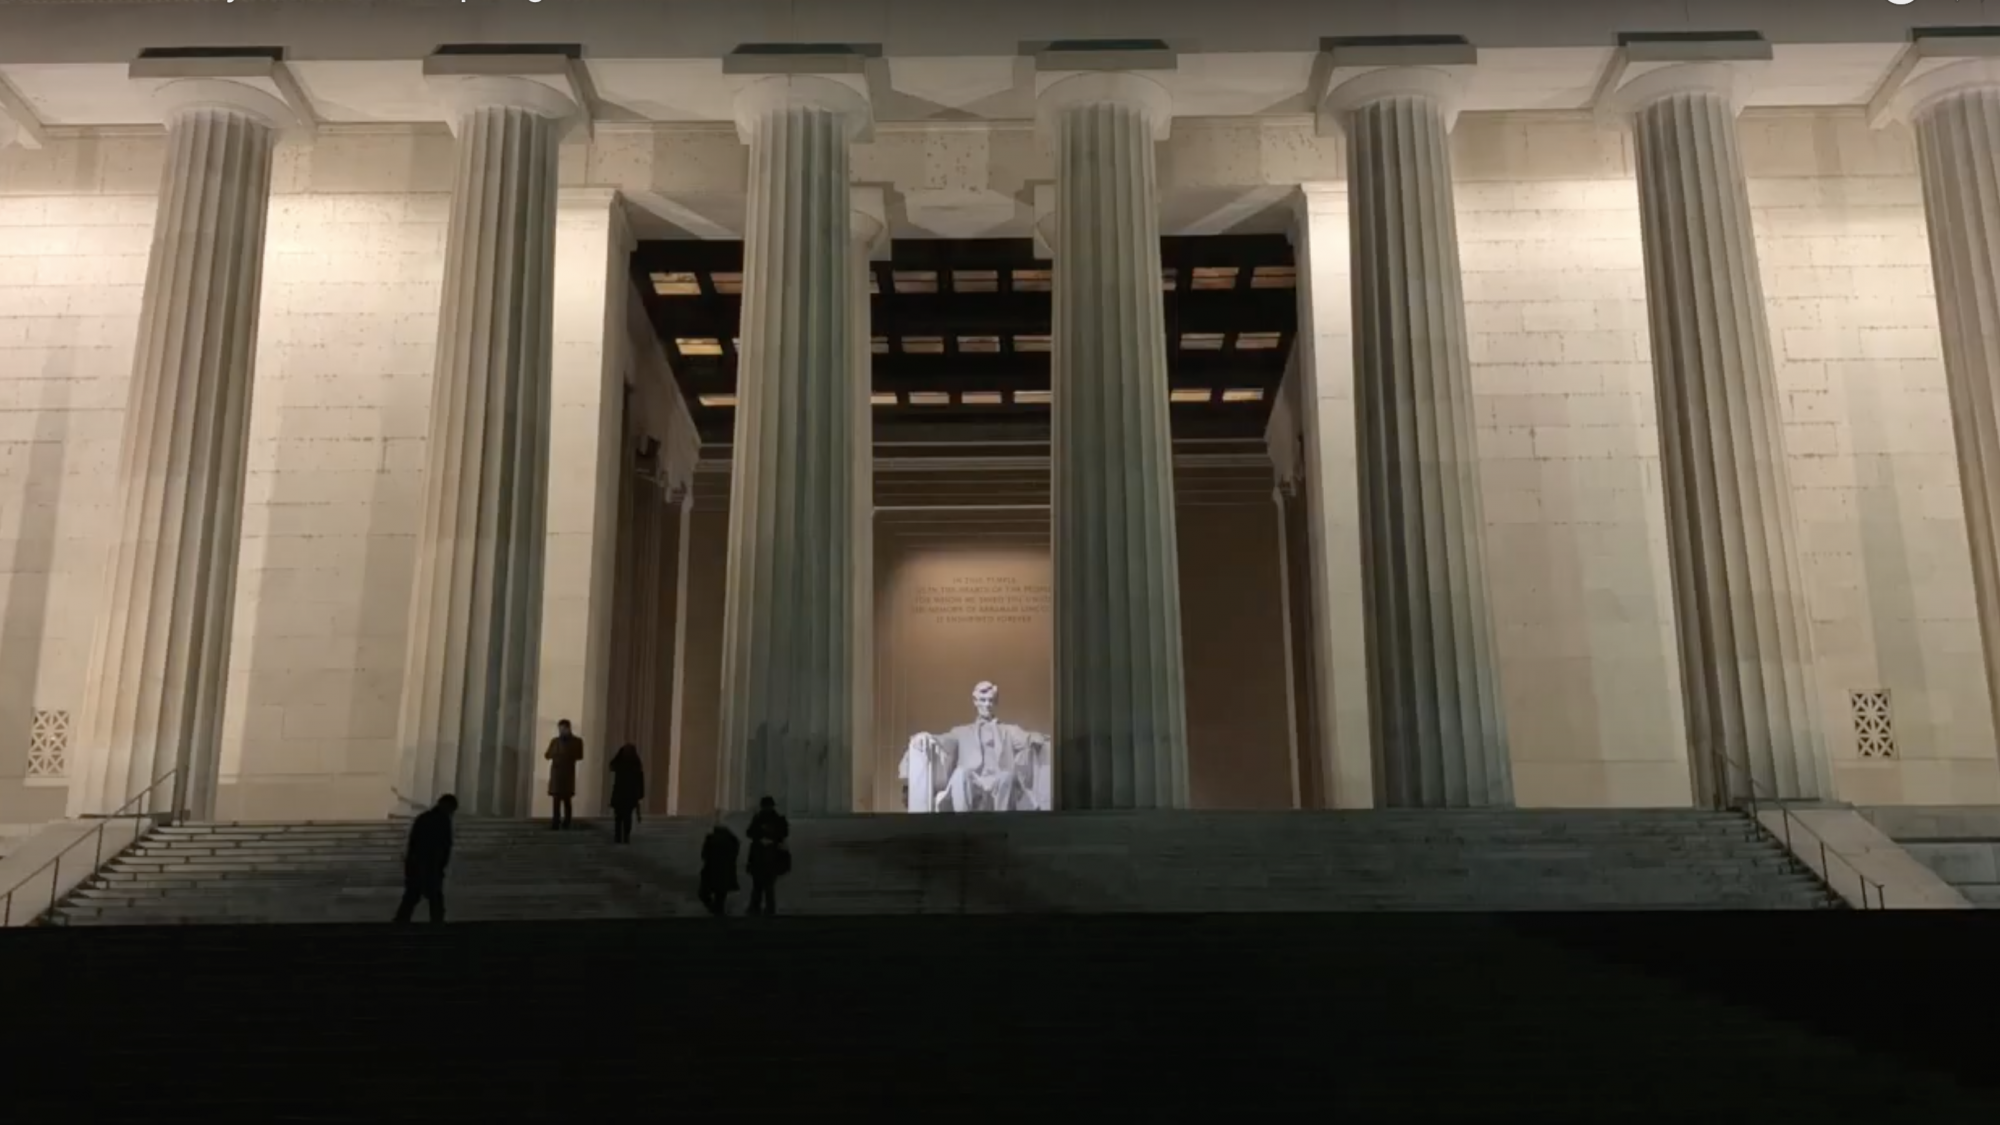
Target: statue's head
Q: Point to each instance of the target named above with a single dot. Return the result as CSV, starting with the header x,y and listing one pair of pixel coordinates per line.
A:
x,y
985,698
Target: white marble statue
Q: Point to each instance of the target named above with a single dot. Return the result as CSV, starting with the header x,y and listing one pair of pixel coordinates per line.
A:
x,y
984,766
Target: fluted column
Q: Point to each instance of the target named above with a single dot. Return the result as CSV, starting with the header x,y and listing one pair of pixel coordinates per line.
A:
x,y
1956,111
1120,710
469,679
153,700
1433,672
787,647
649,528
1739,593
868,228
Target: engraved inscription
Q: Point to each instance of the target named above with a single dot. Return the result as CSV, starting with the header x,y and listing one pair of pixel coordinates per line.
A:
x,y
984,600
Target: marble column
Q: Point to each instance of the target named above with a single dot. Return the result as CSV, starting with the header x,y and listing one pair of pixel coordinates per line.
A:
x,y
868,229
787,646
1120,709
153,698
1739,592
649,529
470,675
1433,670
1956,111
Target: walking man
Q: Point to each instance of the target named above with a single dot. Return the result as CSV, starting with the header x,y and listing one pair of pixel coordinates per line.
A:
x,y
424,861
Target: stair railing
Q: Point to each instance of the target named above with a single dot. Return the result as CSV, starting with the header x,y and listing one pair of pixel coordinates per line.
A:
x,y
54,865
1873,894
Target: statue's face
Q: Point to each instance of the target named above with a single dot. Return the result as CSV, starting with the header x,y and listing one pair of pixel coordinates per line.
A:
x,y
984,698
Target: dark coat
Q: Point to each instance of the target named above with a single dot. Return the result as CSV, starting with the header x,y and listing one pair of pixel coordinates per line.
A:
x,y
718,860
430,843
769,856
565,754
628,779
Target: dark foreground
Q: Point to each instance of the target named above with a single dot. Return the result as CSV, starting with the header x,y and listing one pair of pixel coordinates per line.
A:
x,y
1388,1017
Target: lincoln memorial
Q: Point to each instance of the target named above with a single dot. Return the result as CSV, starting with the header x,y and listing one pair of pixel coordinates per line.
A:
x,y
946,408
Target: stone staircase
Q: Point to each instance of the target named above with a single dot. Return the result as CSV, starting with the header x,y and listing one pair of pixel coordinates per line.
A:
x,y
1960,843
1192,862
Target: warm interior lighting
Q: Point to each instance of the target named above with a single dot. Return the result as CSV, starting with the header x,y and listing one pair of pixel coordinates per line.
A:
x,y
676,285
923,345
1190,394
882,399
979,345
730,283
1256,341
1032,398
1031,281
975,281
879,345
698,345
719,401
1275,277
1243,394
1201,341
1215,277
1031,343
930,398
916,281
979,398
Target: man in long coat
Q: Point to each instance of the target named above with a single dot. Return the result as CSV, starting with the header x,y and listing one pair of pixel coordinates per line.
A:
x,y
564,752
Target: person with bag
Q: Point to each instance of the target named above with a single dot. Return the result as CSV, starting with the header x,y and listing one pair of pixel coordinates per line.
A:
x,y
770,856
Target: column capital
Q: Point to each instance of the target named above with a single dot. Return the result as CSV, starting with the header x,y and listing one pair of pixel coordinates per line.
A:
x,y
1729,81
464,95
189,95
785,92
1922,93
1433,84
1136,91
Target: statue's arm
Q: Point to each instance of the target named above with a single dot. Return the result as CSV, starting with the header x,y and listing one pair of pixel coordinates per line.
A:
x,y
947,755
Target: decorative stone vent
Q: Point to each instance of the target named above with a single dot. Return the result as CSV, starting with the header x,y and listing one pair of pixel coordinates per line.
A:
x,y
1874,733
48,746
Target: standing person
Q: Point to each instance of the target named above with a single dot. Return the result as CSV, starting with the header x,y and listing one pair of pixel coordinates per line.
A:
x,y
628,788
770,856
718,869
424,861
565,751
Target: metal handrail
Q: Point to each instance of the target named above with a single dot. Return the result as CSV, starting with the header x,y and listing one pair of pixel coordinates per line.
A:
x,y
1786,819
54,864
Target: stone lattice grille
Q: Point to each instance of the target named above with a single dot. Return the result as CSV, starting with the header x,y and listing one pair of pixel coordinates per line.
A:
x,y
1874,734
48,745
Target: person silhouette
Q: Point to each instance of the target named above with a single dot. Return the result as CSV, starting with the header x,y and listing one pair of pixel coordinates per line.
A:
x,y
628,788
564,752
426,857
770,856
718,869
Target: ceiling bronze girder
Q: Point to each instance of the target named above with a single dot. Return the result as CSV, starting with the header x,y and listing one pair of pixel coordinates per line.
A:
x,y
950,320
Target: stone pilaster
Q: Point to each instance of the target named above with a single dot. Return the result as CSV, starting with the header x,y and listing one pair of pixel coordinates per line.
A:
x,y
153,700
1433,671
787,647
1956,111
473,662
1739,593
1120,711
